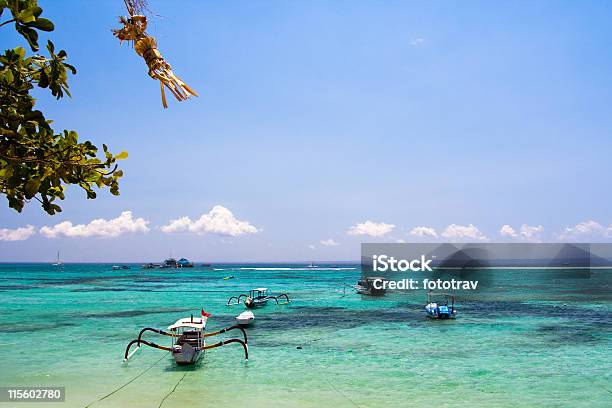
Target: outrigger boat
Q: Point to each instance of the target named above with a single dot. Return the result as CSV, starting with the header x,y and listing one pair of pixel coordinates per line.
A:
x,y
188,340
366,286
438,306
256,298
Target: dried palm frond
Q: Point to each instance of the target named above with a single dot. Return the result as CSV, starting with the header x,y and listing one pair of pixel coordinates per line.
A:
x,y
159,69
134,31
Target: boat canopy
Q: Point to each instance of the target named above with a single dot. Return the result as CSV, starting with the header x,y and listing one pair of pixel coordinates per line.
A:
x,y
260,289
188,322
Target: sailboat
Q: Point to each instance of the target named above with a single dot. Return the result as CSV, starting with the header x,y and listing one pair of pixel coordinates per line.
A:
x,y
59,262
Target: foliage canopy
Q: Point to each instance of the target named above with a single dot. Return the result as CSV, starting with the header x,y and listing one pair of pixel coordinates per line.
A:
x,y
35,161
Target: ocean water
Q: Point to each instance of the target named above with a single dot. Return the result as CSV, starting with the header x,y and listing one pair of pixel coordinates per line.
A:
x,y
528,338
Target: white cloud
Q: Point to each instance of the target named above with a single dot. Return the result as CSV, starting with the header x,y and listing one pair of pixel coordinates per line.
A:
x,y
178,225
219,220
417,42
423,232
507,231
400,241
531,233
328,242
585,229
459,232
100,227
18,234
373,229
311,246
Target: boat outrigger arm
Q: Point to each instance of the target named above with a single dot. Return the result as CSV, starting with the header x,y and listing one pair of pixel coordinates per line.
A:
x,y
139,341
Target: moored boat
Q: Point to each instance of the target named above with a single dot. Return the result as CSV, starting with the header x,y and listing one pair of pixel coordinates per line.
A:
x,y
256,298
188,339
440,306
371,286
245,318
184,263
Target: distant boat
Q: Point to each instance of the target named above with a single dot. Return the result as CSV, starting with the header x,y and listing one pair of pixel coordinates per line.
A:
x,y
312,265
184,263
169,263
58,263
117,267
440,306
367,286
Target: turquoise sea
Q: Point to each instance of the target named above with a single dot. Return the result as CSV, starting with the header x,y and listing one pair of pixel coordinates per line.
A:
x,y
528,338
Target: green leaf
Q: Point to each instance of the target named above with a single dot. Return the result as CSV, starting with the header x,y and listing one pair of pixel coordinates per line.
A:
x,y
19,51
71,68
31,187
122,156
8,76
43,80
26,16
42,24
29,34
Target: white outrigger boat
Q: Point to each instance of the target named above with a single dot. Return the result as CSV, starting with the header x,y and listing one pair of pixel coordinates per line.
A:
x,y
188,340
245,318
256,298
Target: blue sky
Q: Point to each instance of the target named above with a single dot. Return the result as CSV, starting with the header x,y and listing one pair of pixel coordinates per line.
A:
x,y
315,117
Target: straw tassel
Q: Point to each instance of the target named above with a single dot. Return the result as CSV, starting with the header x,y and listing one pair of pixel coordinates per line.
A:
x,y
134,31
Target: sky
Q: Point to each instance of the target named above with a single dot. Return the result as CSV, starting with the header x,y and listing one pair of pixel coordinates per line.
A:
x,y
323,124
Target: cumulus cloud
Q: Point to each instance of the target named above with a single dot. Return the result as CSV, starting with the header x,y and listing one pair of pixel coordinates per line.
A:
x,y
417,42
219,220
18,234
460,232
531,233
507,231
329,242
423,232
585,229
311,246
373,229
100,227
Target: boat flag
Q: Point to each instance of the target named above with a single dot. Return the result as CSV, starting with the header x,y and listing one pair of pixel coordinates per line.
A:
x,y
205,314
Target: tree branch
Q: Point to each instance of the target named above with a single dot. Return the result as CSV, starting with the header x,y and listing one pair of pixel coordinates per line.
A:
x,y
8,21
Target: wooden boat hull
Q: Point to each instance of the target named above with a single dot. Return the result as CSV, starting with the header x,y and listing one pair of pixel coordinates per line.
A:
x,y
254,303
186,354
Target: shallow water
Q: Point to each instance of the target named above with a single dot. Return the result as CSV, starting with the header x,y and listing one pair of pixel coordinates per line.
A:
x,y
527,338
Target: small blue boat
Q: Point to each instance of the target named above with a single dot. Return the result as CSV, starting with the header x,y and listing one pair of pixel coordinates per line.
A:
x,y
440,306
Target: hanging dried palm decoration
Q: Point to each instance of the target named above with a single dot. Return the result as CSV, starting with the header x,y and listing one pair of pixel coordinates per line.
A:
x,y
134,31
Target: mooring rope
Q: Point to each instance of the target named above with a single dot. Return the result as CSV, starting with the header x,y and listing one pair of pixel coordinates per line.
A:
x,y
339,391
330,381
127,383
173,389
